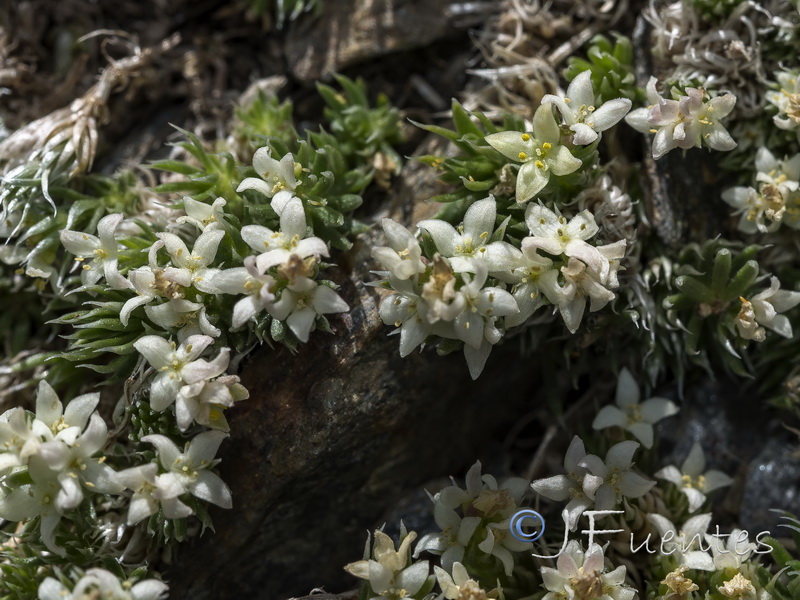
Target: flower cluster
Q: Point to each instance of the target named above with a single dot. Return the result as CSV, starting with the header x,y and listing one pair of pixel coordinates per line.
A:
x,y
777,199
547,150
685,121
594,482
56,451
482,512
476,278
281,279
787,100
99,583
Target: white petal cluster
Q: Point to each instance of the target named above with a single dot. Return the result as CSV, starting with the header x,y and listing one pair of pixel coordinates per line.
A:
x,y
685,543
281,277
613,478
461,585
460,512
472,241
583,575
439,301
541,153
580,114
190,468
460,293
587,273
60,448
787,101
100,251
196,386
203,216
777,199
691,479
629,414
162,289
388,572
688,121
99,583
763,311
592,481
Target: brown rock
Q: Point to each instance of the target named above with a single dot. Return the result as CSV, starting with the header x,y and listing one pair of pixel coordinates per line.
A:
x,y
350,31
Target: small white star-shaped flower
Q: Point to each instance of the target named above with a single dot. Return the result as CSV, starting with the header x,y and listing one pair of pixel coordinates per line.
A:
x,y
632,416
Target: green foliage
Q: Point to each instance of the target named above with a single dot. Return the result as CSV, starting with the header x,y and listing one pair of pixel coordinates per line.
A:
x,y
786,585
611,66
213,175
478,169
713,11
710,281
362,131
262,118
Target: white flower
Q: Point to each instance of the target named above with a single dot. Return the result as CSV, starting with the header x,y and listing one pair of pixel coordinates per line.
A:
x,y
475,326
453,538
579,113
442,302
759,212
501,544
776,201
176,366
787,100
685,123
763,310
691,480
190,317
485,499
471,241
732,553
540,153
144,282
54,421
301,302
192,268
402,310
190,467
151,491
618,479
561,487
99,583
204,400
582,576
580,284
277,177
387,573
101,250
15,435
203,216
73,464
632,416
36,499
551,232
460,585
257,288
276,247
783,174
681,543
529,284
403,256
